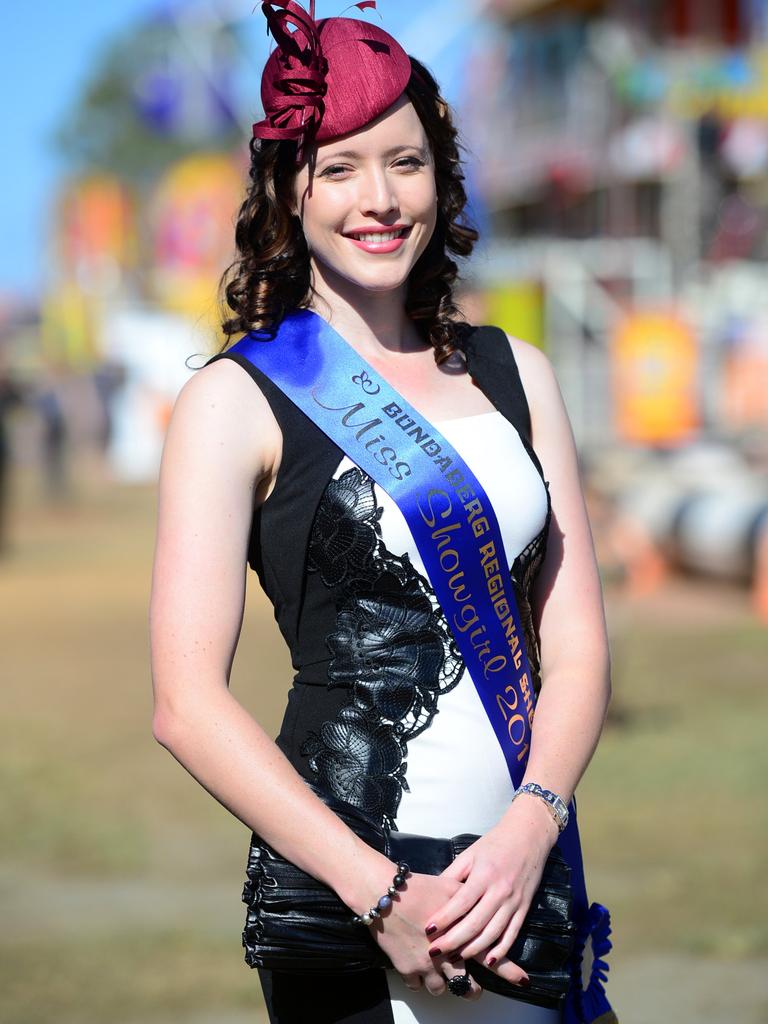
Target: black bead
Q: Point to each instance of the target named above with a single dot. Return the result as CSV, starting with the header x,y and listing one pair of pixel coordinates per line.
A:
x,y
403,868
398,881
460,984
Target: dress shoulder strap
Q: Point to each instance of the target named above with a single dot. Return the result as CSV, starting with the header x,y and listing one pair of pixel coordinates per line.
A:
x,y
308,462
491,363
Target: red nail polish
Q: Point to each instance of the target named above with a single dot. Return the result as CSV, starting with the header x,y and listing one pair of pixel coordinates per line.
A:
x,y
435,952
431,929
491,961
524,982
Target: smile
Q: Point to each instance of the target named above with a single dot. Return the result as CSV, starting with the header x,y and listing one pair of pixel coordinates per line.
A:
x,y
379,241
379,236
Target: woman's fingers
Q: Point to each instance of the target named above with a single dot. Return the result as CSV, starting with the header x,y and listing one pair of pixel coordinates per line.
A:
x,y
462,932
458,869
510,971
460,903
436,980
434,983
457,906
413,981
488,939
501,946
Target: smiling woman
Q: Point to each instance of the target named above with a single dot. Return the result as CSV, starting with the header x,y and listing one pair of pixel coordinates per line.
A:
x,y
406,487
274,271
379,199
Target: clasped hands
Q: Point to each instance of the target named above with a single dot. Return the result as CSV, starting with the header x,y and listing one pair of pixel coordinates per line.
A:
x,y
475,908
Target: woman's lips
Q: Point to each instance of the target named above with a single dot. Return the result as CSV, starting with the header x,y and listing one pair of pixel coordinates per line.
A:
x,y
391,245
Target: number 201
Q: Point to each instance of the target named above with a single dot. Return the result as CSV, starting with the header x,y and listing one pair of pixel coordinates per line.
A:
x,y
515,722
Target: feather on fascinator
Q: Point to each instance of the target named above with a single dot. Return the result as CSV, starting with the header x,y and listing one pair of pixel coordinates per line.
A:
x,y
326,78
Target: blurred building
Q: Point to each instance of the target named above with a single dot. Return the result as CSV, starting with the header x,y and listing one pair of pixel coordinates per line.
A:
x,y
622,154
629,119
621,151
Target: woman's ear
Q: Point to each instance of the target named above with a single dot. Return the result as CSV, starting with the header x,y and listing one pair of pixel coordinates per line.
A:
x,y
297,210
294,202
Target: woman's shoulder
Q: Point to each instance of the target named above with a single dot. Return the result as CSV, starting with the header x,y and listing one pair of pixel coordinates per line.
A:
x,y
542,390
221,406
224,383
534,365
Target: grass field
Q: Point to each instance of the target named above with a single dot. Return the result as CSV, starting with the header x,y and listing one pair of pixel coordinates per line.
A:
x,y
120,877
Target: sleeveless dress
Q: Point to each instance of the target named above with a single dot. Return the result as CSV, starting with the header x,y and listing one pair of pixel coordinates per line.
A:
x,y
382,712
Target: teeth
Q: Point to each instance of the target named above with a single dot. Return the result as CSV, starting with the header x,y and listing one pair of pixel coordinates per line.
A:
x,y
379,236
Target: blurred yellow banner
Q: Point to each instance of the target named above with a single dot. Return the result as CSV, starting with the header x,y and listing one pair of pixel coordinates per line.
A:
x,y
67,329
518,308
193,213
654,367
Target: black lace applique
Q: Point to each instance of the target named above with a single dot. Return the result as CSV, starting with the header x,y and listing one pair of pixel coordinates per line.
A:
x,y
360,758
346,530
392,648
525,569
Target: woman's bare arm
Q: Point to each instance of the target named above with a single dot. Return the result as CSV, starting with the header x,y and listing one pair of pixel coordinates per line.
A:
x,y
575,659
502,870
220,454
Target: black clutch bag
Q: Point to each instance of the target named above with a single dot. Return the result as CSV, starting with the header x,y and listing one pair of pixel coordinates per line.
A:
x,y
295,923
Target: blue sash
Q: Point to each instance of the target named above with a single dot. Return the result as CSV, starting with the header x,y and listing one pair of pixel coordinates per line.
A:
x,y
453,524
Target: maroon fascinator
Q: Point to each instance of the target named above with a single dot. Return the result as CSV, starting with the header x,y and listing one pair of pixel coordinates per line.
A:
x,y
326,78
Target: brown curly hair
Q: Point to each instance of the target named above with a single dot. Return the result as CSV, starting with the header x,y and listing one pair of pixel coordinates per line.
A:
x,y
271,275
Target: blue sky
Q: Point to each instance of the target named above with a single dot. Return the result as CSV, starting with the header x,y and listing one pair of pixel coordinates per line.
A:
x,y
49,50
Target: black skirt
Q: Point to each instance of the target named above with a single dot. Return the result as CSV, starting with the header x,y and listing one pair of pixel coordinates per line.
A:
x,y
358,998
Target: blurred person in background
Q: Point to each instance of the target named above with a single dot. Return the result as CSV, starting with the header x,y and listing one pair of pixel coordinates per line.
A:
x,y
49,404
11,396
108,378
353,218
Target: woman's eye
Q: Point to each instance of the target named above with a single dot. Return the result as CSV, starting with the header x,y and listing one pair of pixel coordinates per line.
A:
x,y
410,161
337,170
333,171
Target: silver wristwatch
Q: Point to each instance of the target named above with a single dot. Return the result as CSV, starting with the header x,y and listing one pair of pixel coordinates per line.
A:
x,y
555,803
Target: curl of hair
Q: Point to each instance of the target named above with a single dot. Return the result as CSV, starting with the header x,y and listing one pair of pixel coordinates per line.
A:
x,y
271,275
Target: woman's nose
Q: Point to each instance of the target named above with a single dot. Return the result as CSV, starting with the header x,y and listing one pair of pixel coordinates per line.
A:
x,y
377,195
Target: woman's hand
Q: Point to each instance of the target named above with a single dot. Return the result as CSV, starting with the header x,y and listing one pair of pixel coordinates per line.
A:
x,y
500,873
400,933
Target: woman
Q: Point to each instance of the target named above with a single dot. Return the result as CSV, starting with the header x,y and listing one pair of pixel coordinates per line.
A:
x,y
353,213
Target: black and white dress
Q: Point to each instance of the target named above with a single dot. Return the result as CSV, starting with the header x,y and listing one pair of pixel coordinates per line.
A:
x,y
382,712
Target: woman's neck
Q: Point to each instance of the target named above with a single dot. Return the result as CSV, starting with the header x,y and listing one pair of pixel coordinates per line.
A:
x,y
375,323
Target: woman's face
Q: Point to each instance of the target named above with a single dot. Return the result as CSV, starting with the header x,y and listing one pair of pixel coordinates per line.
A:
x,y
372,206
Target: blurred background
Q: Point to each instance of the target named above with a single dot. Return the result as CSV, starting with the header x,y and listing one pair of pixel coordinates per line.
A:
x,y
617,164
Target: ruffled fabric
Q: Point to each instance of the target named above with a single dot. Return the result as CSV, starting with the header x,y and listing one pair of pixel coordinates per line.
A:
x,y
294,89
590,1005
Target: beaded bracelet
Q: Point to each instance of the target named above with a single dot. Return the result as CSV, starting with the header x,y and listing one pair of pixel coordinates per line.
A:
x,y
386,900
